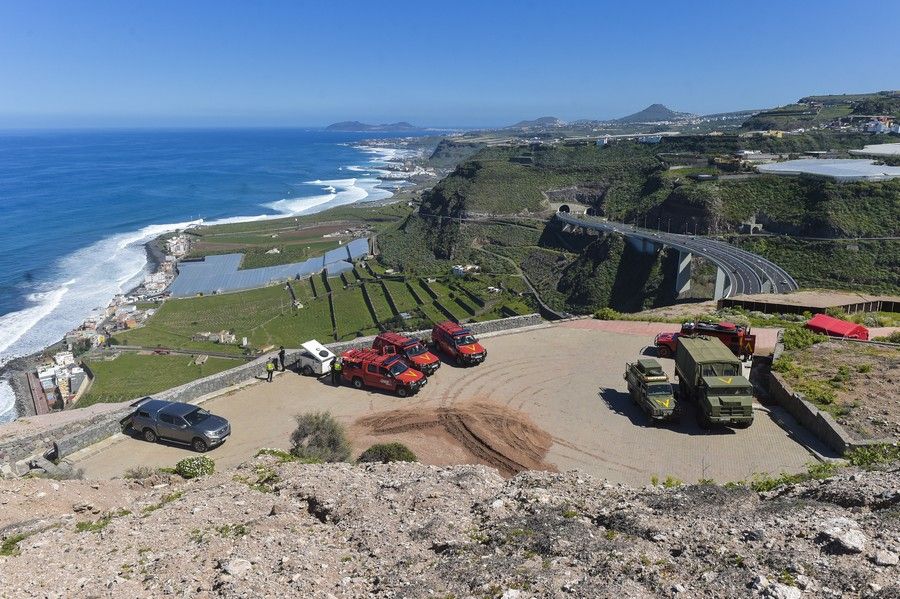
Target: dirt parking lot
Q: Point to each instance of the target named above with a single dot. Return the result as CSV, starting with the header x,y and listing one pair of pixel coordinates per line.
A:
x,y
550,397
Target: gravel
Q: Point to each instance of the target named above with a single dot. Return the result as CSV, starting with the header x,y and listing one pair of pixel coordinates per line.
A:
x,y
410,530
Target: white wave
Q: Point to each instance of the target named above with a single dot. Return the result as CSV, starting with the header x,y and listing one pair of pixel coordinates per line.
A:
x,y
87,280
7,402
339,192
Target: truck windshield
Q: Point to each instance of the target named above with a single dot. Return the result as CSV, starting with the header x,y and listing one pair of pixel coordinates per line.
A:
x,y
733,391
465,340
398,367
415,350
720,370
197,416
660,389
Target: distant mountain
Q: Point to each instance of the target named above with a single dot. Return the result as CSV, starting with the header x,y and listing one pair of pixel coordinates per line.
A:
x,y
653,114
538,123
357,126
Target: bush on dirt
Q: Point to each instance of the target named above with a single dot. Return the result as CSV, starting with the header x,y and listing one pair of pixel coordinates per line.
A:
x,y
195,466
319,436
388,452
801,338
140,472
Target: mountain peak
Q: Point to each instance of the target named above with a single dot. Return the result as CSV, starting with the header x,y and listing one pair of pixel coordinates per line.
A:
x,y
653,114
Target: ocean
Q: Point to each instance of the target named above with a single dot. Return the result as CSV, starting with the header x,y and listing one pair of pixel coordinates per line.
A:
x,y
79,205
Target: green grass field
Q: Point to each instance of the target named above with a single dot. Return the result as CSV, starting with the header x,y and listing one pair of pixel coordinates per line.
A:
x,y
402,297
131,376
264,316
379,302
353,316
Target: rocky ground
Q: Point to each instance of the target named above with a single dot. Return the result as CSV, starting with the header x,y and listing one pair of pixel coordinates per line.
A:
x,y
409,530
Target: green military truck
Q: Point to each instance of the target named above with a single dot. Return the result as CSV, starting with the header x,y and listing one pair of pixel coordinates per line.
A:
x,y
649,388
709,374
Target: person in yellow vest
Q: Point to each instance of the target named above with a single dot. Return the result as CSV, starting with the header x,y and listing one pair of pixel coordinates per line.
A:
x,y
336,368
270,369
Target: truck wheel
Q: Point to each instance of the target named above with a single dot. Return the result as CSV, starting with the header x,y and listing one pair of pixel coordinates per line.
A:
x,y
307,370
402,391
199,445
663,352
357,382
149,435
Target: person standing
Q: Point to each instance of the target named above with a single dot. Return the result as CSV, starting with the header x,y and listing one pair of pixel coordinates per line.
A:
x,y
336,368
270,369
281,357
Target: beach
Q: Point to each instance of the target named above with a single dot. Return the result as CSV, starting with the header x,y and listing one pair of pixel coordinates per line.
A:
x,y
125,259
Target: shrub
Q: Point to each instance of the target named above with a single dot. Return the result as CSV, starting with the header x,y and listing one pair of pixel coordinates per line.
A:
x,y
607,314
871,456
801,338
319,436
195,466
892,338
140,472
388,452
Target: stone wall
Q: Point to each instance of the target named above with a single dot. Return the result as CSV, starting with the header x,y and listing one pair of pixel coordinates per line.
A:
x,y
73,436
822,424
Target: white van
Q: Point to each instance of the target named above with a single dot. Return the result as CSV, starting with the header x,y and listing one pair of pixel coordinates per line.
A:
x,y
315,359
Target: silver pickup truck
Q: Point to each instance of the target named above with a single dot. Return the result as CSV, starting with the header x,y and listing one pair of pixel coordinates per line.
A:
x,y
184,423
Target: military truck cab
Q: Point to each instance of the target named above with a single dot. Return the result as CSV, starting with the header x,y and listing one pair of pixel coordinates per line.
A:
x,y
459,343
413,351
367,368
709,374
649,387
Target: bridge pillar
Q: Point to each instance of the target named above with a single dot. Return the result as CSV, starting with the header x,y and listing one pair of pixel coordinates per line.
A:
x,y
722,286
645,246
683,279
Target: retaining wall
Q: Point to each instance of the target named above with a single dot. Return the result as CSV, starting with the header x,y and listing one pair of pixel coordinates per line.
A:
x,y
73,436
822,424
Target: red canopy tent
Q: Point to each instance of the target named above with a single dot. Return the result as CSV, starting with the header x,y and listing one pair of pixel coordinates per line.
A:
x,y
835,327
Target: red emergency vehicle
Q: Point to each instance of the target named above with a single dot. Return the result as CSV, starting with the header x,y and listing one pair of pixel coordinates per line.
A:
x,y
413,351
736,337
458,343
367,368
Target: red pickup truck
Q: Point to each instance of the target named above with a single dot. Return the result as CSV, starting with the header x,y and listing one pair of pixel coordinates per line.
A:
x,y
413,351
367,368
736,337
457,342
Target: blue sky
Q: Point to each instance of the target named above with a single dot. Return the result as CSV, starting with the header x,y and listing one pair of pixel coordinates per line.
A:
x,y
475,63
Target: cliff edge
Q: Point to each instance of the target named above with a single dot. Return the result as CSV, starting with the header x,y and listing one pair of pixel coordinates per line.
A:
x,y
409,530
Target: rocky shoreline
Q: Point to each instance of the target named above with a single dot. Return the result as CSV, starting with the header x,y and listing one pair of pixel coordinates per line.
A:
x,y
15,371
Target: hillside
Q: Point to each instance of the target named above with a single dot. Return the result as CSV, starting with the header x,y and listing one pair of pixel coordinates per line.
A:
x,y
539,123
816,111
353,126
408,530
654,114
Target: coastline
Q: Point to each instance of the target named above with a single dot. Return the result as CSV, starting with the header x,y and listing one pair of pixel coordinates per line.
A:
x,y
16,369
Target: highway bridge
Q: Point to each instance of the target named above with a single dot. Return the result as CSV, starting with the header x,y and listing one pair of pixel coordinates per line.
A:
x,y
739,271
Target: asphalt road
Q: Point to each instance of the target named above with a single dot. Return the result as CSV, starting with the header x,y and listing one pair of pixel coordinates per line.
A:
x,y
746,272
567,378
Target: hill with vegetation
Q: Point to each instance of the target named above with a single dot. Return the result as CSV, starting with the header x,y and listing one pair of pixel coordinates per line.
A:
x,y
654,113
539,123
816,111
657,186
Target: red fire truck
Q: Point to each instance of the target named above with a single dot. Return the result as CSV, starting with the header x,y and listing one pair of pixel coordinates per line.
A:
x,y
458,343
368,368
413,351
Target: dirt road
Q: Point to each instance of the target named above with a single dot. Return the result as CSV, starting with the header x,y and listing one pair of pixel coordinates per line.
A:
x,y
563,381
